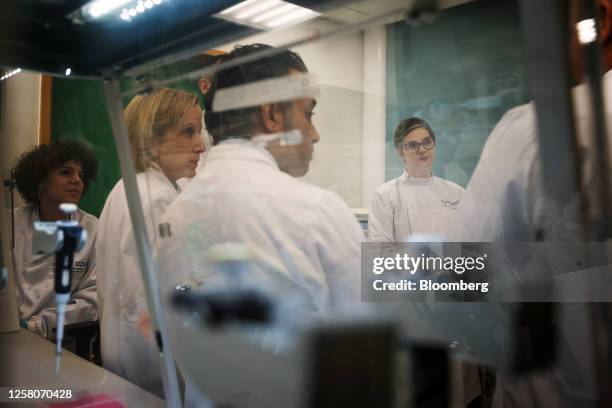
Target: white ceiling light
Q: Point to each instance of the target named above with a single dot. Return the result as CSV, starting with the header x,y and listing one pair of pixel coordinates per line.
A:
x,y
586,31
267,14
291,17
99,8
124,9
10,74
273,13
256,9
237,7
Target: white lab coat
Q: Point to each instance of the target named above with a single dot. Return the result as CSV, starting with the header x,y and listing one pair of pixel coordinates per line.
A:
x,y
407,206
307,233
505,201
125,351
501,196
505,194
35,276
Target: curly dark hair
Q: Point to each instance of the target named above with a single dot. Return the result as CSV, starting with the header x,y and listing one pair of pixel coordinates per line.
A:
x,y
33,167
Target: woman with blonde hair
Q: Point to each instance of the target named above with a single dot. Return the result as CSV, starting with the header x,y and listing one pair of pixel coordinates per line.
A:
x,y
165,138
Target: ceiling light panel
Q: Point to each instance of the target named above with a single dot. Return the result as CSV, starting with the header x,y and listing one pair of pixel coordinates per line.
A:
x,y
267,14
126,10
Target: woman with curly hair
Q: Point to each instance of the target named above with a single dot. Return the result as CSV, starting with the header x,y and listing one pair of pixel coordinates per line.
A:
x,y
47,176
164,130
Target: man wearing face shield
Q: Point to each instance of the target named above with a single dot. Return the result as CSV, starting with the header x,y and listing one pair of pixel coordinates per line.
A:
x,y
247,192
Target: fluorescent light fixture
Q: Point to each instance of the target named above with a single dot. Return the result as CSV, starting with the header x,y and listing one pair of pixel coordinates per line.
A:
x,y
586,31
10,74
256,9
293,16
126,10
273,13
99,8
237,7
267,14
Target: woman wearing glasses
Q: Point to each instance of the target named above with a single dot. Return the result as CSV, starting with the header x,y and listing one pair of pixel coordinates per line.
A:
x,y
417,202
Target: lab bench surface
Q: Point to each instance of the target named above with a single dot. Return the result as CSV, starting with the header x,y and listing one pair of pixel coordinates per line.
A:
x,y
27,362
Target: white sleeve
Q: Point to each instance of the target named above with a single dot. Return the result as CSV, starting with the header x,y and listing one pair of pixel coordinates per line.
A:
x,y
499,198
380,220
125,350
82,307
336,240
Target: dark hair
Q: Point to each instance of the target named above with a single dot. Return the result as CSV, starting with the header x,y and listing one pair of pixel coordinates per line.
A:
x,y
273,63
33,167
408,125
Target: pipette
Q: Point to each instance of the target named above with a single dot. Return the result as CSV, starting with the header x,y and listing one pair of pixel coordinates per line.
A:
x,y
71,237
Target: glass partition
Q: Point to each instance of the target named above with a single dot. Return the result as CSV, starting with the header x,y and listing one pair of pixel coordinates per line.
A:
x,y
259,247
296,187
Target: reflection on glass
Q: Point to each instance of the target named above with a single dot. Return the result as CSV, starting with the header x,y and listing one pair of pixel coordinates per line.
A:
x,y
460,73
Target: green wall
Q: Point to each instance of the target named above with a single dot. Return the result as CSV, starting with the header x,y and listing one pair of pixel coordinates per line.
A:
x,y
78,111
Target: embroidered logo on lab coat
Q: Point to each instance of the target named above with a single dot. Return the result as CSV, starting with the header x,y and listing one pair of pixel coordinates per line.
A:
x,y
450,204
77,268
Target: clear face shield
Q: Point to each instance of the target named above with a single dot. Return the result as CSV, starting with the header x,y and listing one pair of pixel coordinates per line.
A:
x,y
244,257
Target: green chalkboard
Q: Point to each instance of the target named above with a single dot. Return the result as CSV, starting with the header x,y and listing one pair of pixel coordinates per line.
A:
x,y
460,73
78,111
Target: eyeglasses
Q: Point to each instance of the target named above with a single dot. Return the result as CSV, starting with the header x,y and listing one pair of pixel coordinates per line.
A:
x,y
413,147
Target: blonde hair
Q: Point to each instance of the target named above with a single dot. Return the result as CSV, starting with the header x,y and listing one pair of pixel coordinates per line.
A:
x,y
149,117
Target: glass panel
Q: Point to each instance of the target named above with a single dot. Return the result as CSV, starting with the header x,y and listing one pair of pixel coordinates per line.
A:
x,y
261,248
280,185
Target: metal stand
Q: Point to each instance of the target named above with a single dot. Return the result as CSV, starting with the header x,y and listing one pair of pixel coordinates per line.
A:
x,y
545,31
147,264
549,84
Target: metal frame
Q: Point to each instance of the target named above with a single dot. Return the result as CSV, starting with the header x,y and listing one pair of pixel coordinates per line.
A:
x,y
544,30
549,83
602,227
